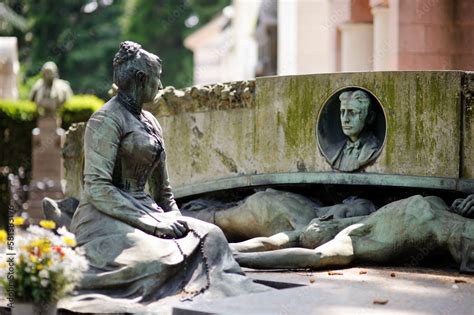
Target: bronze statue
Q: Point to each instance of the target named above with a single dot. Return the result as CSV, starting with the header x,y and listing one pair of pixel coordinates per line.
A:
x,y
325,224
361,145
139,247
395,232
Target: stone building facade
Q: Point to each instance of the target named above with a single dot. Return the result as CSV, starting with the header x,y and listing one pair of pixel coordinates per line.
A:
x,y
324,36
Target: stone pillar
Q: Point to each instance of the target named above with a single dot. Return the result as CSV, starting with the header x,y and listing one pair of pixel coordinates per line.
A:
x,y
9,67
308,35
287,38
382,42
356,47
47,164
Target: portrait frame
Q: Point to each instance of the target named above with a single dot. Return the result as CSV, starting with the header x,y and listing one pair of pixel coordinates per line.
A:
x,y
329,129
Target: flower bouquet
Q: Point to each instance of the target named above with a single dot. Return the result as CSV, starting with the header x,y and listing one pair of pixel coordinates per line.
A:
x,y
41,265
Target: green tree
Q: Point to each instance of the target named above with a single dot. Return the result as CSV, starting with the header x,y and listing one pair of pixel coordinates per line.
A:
x,y
91,45
160,27
81,36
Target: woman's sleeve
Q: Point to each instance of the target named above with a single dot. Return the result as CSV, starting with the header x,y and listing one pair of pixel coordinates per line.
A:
x,y
101,143
160,187
159,183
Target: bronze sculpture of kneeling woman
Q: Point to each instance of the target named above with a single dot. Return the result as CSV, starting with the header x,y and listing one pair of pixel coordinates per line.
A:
x,y
139,246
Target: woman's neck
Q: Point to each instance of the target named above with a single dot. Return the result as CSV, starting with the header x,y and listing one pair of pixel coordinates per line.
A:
x,y
129,100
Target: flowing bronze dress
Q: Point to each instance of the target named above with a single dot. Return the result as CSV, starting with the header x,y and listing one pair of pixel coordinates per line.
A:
x,y
123,149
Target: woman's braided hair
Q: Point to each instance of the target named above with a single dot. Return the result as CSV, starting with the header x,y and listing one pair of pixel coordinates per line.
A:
x,y
127,51
128,60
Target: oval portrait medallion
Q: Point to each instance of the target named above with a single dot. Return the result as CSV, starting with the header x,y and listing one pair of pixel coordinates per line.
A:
x,y
351,129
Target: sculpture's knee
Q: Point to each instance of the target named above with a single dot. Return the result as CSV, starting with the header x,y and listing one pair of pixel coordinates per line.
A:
x,y
204,228
215,232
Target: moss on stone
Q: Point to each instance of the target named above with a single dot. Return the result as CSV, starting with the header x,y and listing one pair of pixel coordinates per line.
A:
x,y
423,120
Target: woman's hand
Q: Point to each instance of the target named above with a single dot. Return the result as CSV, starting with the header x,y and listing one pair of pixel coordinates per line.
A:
x,y
464,207
171,228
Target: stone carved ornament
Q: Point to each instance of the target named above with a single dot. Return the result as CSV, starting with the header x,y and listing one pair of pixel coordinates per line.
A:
x,y
240,94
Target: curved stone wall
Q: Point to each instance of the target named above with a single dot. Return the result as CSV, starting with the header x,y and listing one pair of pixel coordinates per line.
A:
x,y
269,127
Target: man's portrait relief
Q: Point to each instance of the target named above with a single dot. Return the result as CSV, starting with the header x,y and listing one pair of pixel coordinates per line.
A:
x,y
351,129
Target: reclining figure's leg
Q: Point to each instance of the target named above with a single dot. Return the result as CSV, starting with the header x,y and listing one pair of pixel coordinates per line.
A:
x,y
335,253
316,233
274,242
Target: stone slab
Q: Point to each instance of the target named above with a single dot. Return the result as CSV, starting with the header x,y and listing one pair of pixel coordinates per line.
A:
x,y
353,291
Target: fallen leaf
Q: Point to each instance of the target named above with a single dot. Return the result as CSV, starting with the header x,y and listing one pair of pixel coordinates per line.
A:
x,y
312,279
380,302
362,272
392,275
459,281
332,273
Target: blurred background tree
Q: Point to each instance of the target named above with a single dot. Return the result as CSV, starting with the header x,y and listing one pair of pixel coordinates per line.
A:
x,y
161,26
81,36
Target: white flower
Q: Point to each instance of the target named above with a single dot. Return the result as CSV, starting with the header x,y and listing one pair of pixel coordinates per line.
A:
x,y
44,283
27,269
44,274
39,231
64,232
34,279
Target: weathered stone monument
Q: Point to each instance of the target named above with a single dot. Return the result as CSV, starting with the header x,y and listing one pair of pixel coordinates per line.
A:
x,y
383,136
280,136
9,67
49,94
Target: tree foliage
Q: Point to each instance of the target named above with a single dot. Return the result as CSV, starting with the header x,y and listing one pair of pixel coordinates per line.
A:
x,y
80,40
82,36
160,27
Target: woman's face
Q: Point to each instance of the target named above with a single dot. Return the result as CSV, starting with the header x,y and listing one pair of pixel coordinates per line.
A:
x,y
153,83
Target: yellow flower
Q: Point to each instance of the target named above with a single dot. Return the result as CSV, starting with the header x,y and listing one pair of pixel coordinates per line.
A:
x,y
18,221
3,236
33,259
48,224
69,241
39,267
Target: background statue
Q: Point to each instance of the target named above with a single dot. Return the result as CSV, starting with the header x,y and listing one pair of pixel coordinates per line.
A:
x,y
361,145
50,92
140,249
393,233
